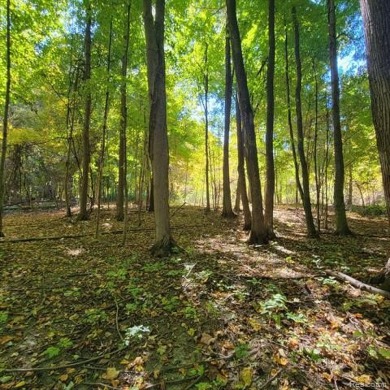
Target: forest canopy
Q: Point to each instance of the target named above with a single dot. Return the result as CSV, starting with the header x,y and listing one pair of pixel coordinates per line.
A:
x,y
49,88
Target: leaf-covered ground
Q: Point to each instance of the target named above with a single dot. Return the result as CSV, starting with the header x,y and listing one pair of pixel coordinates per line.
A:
x,y
91,313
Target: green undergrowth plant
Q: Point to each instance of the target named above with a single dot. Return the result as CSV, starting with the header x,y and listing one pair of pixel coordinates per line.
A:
x,y
55,350
3,319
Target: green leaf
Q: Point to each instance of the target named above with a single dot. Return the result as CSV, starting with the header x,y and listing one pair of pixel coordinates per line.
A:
x,y
384,352
52,351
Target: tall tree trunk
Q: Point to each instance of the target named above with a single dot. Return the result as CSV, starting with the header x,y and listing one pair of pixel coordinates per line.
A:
x,y
341,217
154,33
325,174
269,137
377,34
241,172
258,233
99,183
289,118
123,121
6,115
206,121
311,230
315,153
84,214
70,120
227,210
237,202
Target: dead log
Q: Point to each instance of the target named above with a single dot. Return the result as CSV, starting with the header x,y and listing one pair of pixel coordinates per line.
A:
x,y
384,276
358,284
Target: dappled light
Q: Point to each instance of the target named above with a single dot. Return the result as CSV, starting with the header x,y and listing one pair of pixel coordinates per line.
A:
x,y
221,313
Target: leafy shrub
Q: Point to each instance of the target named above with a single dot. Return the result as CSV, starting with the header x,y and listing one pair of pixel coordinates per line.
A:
x,y
372,210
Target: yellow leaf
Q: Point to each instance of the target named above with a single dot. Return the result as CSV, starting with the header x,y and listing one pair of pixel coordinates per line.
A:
x,y
246,375
20,384
283,361
111,373
64,378
327,376
5,339
255,324
366,379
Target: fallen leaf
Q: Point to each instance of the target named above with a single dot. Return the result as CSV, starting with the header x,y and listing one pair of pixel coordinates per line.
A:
x,y
246,375
255,324
5,339
206,339
365,379
111,373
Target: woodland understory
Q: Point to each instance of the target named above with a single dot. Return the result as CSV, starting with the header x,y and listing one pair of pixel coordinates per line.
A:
x,y
81,312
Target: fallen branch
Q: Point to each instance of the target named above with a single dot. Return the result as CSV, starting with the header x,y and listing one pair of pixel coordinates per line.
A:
x,y
54,368
179,208
356,283
271,379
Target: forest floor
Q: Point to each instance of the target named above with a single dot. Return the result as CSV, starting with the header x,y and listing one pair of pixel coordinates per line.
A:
x,y
80,312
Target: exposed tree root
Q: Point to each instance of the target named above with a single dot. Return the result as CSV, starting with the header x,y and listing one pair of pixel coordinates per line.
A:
x,y
165,248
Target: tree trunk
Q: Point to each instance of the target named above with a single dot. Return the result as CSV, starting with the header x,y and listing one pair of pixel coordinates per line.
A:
x,y
241,172
350,186
341,217
237,202
227,210
269,137
6,115
206,130
311,230
377,34
258,233
70,119
99,183
154,33
315,153
326,169
84,214
122,180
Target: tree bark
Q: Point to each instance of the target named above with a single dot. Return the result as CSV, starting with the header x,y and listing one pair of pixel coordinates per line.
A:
x,y
227,210
377,35
311,230
70,120
154,33
258,233
341,217
241,172
206,130
84,214
102,156
357,283
315,152
6,114
289,116
122,182
269,137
